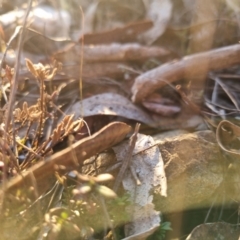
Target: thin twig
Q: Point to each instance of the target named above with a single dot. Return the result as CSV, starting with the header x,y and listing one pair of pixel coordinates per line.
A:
x,y
127,159
36,194
134,174
107,216
16,68
13,37
28,149
81,62
12,95
226,90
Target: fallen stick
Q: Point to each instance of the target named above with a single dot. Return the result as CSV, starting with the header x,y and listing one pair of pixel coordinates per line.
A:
x,y
43,172
196,65
112,52
126,161
127,33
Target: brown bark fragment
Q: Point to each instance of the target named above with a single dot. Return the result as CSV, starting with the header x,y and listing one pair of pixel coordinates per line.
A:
x,y
192,66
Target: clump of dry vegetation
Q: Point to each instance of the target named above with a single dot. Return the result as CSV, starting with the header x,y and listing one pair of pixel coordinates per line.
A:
x,y
66,211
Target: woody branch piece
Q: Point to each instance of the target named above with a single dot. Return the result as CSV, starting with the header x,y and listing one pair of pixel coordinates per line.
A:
x,y
196,65
112,52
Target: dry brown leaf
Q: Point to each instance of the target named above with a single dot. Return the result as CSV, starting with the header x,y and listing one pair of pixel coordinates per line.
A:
x,y
111,104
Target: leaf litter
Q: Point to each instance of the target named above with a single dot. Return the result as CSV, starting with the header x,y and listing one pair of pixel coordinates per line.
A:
x,y
117,66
